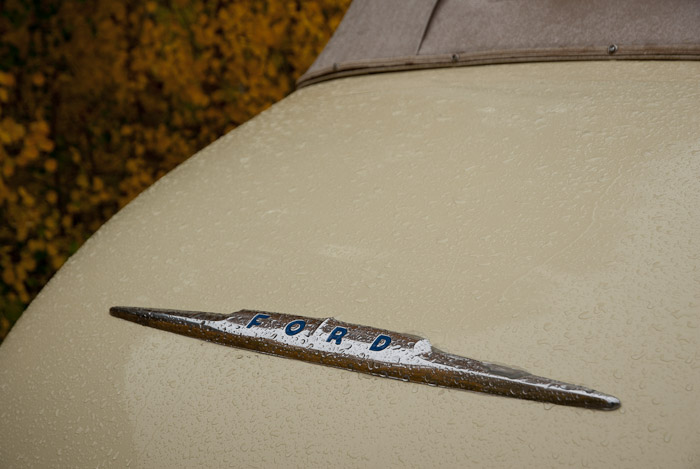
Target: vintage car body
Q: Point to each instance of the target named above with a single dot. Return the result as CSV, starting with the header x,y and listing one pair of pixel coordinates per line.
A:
x,y
541,215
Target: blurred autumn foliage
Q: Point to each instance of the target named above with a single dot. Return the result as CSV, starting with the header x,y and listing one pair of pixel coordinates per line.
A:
x,y
99,99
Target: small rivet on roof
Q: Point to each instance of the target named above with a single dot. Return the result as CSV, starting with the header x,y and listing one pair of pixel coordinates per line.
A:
x,y
335,66
612,48
455,57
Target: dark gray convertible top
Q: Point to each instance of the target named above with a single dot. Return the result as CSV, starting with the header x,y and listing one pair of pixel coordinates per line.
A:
x,y
388,35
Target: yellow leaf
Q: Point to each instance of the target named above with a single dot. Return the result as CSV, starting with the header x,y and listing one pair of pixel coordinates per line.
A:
x,y
36,245
28,264
51,197
57,262
51,249
41,127
5,137
29,152
10,131
27,198
8,275
8,169
82,180
74,155
38,79
51,165
7,79
46,145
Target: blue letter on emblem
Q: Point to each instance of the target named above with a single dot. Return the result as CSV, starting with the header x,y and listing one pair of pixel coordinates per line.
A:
x,y
380,343
295,327
254,321
337,335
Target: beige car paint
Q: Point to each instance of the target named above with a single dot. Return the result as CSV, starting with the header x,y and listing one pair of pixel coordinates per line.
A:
x,y
545,216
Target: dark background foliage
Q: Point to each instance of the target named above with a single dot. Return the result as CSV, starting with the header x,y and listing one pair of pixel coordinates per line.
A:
x,y
100,99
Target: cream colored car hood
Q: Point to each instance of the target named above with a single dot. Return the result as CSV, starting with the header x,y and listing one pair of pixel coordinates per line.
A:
x,y
545,216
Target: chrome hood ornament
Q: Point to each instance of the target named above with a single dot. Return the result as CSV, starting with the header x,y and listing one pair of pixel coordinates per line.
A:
x,y
363,349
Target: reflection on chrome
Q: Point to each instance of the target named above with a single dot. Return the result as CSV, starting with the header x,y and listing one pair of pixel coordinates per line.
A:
x,y
363,349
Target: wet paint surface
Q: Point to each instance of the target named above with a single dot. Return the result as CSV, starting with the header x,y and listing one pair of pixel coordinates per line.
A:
x,y
539,215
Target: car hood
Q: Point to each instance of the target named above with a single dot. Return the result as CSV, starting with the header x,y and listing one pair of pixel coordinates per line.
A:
x,y
544,216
